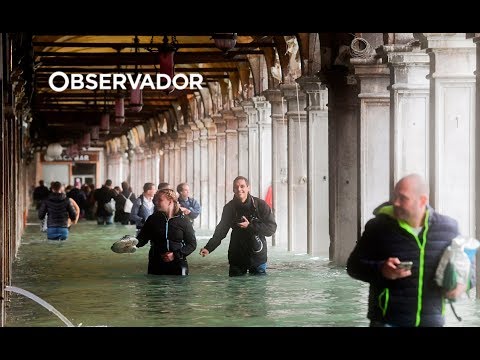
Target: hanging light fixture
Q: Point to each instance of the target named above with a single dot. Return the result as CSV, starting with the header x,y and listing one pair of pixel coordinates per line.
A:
x,y
165,56
119,102
119,109
105,119
85,142
105,123
166,52
95,133
136,96
225,41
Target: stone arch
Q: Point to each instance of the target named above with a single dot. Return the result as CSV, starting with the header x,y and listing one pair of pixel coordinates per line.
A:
x,y
206,101
309,44
234,78
246,80
215,93
177,108
294,63
259,71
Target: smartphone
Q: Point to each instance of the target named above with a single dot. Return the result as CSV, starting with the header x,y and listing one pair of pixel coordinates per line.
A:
x,y
405,265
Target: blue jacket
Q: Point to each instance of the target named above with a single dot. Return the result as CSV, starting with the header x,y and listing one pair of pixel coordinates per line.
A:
x,y
140,213
415,300
192,205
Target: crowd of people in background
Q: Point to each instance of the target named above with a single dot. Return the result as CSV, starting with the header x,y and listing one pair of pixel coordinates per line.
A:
x,y
110,204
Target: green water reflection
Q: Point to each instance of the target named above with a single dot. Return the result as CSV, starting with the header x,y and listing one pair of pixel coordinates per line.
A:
x,y
92,286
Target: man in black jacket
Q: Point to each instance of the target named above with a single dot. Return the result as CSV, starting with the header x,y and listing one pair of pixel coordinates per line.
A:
x,y
405,230
59,209
251,219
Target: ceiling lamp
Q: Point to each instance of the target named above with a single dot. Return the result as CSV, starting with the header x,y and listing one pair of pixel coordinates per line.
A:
x,y
136,97
119,109
136,100
85,141
105,123
225,41
166,52
54,150
95,133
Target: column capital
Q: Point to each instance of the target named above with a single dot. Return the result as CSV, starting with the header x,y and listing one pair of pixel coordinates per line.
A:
x,y
217,118
273,95
289,91
474,36
316,91
447,41
371,70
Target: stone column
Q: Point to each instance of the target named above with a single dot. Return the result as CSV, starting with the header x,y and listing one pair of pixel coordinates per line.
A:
x,y
166,162
221,169
375,180
196,162
189,157
476,40
177,163
253,146
279,166
343,112
318,236
174,158
204,167
231,152
156,167
212,174
297,167
182,140
162,161
452,119
410,98
243,150
264,144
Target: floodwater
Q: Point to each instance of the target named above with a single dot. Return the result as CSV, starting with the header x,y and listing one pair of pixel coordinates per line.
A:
x,y
93,286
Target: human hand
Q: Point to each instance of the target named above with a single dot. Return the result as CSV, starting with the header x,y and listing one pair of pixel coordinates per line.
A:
x,y
390,270
204,252
455,293
167,257
244,224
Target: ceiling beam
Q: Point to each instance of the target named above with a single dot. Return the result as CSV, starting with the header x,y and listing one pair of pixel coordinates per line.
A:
x,y
116,45
90,70
113,59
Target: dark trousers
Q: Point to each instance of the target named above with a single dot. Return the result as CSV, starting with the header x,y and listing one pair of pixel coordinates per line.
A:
x,y
239,270
175,267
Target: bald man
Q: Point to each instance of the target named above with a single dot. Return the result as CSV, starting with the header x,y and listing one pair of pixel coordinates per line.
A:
x,y
404,231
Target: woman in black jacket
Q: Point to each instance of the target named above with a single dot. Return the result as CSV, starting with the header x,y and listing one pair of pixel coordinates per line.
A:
x,y
171,236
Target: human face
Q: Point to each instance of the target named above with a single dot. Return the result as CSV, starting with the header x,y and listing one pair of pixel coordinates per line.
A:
x,y
241,189
150,192
407,204
164,204
185,192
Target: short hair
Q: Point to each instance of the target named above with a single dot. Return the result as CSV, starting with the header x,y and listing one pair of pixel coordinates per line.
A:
x,y
125,185
56,186
164,185
147,186
180,186
242,178
108,182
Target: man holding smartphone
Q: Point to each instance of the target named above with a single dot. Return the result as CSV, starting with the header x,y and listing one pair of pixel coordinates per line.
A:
x,y
398,254
251,219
